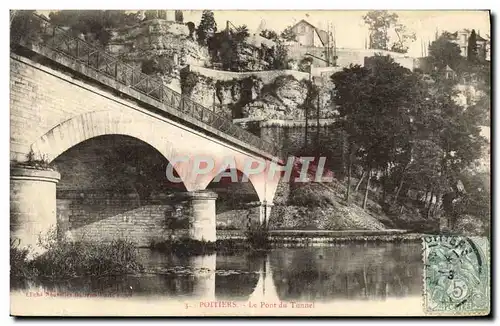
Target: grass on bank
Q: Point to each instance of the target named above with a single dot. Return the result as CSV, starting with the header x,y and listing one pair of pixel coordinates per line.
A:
x,y
64,259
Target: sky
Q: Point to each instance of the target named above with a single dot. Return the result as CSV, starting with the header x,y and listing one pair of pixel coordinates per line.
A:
x,y
350,29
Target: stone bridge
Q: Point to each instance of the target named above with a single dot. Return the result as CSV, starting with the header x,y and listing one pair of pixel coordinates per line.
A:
x,y
90,145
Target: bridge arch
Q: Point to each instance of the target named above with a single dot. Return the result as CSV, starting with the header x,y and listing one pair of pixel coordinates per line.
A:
x,y
238,202
90,125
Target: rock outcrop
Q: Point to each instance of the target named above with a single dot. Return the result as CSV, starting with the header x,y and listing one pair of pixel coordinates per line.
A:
x,y
158,38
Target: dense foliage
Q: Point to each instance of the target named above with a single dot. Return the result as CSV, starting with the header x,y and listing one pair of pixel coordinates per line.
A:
x,y
288,34
94,23
411,136
162,65
207,27
65,259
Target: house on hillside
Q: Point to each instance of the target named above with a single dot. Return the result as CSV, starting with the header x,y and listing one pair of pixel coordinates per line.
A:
x,y
309,35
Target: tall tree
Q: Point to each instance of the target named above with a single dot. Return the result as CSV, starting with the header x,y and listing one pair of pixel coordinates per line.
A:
x,y
375,106
226,47
405,37
288,34
179,16
192,28
207,27
379,22
443,52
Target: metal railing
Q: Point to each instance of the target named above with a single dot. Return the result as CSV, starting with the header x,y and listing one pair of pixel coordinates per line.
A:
x,y
33,29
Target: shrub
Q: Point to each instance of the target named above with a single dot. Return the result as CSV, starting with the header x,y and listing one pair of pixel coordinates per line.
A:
x,y
185,247
75,259
20,268
189,80
64,259
257,238
162,65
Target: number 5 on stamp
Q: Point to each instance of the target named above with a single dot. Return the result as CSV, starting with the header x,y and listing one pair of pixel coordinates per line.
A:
x,y
456,275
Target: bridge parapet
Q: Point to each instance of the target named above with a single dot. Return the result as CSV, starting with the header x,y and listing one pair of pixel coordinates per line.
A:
x,y
38,35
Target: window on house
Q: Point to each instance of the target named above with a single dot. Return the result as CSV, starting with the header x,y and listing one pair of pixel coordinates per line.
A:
x,y
302,29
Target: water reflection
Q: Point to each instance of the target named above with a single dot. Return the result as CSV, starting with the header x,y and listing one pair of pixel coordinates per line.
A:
x,y
347,272
354,272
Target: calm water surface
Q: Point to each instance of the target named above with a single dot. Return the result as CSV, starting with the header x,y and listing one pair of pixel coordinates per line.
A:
x,y
342,272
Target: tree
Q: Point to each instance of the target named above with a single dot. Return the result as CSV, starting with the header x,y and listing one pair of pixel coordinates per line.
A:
x,y
379,22
160,65
305,64
404,38
20,20
227,47
269,34
472,47
474,200
288,34
192,29
375,106
241,33
412,132
207,27
280,55
351,95
443,52
179,16
151,14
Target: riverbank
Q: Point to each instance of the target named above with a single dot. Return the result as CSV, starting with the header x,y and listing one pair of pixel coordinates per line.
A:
x,y
237,241
305,236
63,259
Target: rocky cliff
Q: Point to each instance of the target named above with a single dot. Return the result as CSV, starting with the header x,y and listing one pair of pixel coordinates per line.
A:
x,y
285,97
158,38
166,48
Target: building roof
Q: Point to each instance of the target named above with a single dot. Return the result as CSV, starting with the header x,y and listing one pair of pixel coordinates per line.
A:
x,y
454,36
257,40
323,35
479,38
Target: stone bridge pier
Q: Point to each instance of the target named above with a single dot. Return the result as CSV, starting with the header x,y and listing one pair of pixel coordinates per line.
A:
x,y
36,210
33,203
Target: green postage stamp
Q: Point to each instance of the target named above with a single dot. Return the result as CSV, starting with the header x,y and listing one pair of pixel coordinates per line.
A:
x,y
456,275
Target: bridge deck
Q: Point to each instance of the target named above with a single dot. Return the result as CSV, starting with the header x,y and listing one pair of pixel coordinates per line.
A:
x,y
40,37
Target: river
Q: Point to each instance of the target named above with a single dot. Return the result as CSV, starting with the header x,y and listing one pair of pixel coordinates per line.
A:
x,y
323,274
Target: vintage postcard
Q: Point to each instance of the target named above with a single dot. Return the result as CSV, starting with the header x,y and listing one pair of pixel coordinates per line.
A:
x,y
250,163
